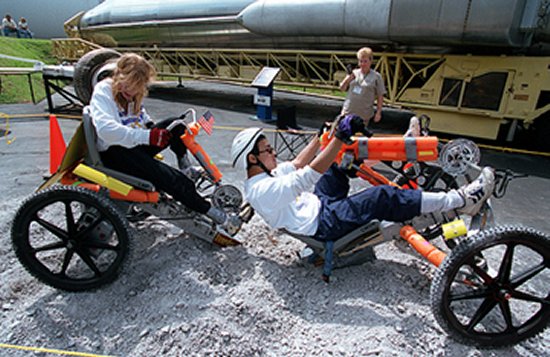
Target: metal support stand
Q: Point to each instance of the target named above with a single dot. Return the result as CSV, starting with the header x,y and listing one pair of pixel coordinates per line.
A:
x,y
74,103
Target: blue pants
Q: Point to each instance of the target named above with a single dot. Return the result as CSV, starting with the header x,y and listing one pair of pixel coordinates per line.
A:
x,y
8,31
341,214
25,33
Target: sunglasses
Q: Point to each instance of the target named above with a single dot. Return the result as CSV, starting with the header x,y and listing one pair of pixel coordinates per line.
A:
x,y
268,150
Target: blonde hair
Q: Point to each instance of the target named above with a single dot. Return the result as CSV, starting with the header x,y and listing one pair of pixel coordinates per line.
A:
x,y
133,72
365,52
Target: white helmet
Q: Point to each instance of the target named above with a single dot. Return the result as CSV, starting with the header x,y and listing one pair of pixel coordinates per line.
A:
x,y
243,145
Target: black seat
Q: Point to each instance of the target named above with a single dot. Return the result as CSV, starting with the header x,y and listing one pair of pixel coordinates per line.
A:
x,y
93,159
289,140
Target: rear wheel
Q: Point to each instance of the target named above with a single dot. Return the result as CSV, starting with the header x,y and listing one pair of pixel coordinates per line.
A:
x,y
71,238
86,73
500,305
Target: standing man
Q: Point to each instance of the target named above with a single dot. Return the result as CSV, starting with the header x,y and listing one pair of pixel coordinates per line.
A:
x,y
364,85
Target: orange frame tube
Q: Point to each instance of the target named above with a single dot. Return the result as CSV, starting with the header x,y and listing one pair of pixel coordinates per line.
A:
x,y
422,246
373,177
391,148
189,140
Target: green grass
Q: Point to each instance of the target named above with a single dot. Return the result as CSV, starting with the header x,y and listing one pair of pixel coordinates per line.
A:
x,y
15,89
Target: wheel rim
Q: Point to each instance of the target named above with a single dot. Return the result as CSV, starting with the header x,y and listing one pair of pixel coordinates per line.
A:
x,y
71,242
504,302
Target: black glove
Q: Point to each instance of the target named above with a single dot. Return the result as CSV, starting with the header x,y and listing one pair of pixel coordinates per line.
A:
x,y
149,124
348,126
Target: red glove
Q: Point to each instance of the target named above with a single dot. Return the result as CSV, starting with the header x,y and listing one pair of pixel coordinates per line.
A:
x,y
159,137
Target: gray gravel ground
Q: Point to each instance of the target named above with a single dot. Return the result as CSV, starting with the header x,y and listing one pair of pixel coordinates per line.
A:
x,y
181,297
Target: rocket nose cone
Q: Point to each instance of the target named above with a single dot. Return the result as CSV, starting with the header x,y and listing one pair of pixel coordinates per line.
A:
x,y
251,16
239,18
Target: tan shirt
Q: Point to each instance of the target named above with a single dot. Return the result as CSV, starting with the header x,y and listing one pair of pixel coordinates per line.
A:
x,y
362,92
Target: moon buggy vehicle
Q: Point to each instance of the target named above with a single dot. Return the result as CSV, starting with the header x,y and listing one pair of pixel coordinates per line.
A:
x,y
490,288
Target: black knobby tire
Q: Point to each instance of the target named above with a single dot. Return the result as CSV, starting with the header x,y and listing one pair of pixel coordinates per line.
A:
x,y
501,304
71,238
85,71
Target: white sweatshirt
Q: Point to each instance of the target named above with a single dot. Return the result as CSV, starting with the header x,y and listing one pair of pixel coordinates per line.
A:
x,y
283,201
113,125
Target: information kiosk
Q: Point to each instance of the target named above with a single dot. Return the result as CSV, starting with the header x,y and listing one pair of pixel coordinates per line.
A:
x,y
263,99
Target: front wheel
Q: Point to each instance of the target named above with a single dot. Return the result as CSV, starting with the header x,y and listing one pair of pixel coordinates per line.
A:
x,y
70,238
503,303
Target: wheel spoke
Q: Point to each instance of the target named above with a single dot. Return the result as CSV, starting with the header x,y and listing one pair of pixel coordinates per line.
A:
x,y
58,232
51,246
89,262
481,273
526,275
474,294
70,218
486,307
66,261
506,264
507,314
527,297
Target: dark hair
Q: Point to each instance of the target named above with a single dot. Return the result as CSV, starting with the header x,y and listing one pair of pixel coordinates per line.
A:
x,y
255,150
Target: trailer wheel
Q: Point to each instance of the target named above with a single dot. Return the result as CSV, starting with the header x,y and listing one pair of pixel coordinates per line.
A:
x,y
501,304
71,238
87,74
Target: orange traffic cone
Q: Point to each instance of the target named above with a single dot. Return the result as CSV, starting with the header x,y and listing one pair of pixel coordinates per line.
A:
x,y
57,144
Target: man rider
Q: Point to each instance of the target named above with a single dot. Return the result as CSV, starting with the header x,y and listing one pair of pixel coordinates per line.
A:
x,y
280,193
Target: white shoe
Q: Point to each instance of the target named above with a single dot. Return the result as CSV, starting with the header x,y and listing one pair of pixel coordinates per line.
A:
x,y
228,222
232,224
477,192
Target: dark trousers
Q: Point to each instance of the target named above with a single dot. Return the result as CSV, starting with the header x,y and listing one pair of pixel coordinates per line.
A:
x,y
7,31
341,214
139,161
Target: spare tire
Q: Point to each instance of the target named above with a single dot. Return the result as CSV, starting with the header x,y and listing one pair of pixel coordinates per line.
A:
x,y
87,72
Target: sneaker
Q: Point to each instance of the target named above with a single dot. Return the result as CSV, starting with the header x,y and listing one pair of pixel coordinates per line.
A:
x,y
217,215
228,222
414,128
477,192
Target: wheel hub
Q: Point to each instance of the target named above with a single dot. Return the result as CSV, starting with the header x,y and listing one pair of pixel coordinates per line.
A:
x,y
504,294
